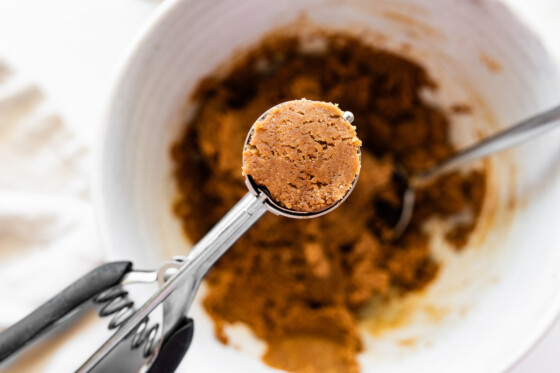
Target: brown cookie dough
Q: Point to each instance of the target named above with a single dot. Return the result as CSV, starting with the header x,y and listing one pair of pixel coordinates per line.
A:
x,y
304,153
300,285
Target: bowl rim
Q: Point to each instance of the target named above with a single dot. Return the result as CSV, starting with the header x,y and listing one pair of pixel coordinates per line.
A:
x,y
136,47
127,59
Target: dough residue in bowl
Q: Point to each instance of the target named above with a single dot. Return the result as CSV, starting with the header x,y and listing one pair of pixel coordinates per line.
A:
x,y
300,284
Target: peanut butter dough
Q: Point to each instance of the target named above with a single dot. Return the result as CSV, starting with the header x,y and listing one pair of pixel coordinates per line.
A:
x,y
300,285
304,153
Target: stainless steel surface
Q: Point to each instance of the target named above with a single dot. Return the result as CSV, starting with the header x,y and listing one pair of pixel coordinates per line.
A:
x,y
167,270
519,133
134,277
348,116
174,306
406,213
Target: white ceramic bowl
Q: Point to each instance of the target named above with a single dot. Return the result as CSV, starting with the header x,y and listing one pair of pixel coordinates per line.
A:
x,y
491,302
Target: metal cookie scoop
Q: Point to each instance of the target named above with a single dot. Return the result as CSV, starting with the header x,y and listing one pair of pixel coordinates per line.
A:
x,y
275,207
159,328
521,132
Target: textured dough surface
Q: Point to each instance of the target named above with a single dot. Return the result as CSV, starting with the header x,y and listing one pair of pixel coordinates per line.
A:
x,y
304,153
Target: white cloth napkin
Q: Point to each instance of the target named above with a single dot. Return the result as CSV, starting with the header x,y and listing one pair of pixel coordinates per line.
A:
x,y
48,236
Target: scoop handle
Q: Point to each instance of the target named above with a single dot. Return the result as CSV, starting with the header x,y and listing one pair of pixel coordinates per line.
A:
x,y
62,304
519,133
187,278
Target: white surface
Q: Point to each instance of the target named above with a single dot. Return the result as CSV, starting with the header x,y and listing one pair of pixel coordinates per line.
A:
x,y
71,48
44,217
48,233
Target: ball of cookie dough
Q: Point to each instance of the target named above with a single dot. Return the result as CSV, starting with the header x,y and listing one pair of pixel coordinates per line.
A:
x,y
304,153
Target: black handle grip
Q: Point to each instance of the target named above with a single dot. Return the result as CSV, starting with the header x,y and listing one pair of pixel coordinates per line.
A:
x,y
25,330
174,348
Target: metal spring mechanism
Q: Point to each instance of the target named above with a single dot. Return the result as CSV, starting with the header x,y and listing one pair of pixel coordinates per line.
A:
x,y
116,303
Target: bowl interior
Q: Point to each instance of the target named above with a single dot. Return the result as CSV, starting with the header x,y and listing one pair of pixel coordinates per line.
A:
x,y
490,302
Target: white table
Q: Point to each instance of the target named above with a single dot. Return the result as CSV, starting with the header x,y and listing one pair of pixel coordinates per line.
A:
x,y
70,47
